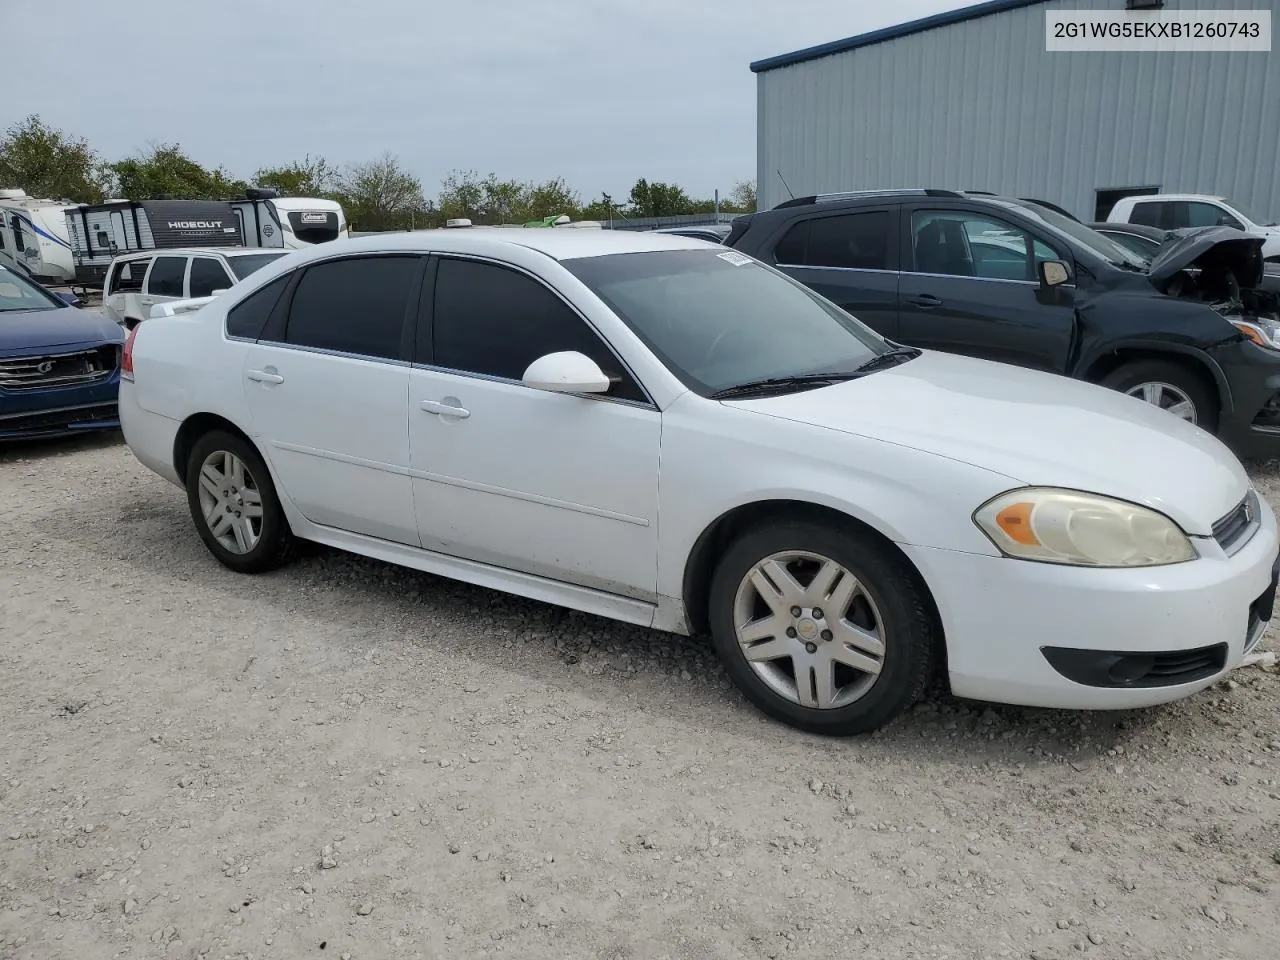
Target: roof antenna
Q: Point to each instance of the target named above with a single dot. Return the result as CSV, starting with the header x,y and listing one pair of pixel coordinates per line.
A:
x,y
784,183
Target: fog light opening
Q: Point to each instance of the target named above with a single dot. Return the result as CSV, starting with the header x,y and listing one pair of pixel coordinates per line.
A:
x,y
1130,669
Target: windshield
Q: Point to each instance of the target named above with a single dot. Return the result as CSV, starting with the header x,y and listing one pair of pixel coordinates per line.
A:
x,y
1086,237
247,264
17,293
718,320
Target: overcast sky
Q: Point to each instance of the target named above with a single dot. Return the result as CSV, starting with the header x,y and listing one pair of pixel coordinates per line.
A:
x,y
598,91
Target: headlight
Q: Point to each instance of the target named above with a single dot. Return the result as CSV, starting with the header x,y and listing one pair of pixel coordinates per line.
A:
x,y
1081,529
1265,333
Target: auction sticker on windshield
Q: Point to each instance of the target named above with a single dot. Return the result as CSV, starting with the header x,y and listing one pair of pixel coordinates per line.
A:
x,y
737,259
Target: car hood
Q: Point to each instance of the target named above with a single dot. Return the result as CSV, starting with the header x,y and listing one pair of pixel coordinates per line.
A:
x,y
1034,428
26,330
1212,247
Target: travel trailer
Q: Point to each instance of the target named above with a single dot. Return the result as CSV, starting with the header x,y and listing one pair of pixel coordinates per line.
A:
x,y
33,237
268,220
101,232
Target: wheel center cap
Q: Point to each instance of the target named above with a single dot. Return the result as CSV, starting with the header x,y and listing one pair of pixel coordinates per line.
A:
x,y
806,629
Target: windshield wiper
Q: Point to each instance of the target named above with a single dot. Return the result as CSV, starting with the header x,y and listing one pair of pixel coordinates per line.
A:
x,y
888,359
782,383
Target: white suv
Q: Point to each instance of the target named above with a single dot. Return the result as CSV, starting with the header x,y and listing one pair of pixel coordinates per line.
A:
x,y
1176,211
136,282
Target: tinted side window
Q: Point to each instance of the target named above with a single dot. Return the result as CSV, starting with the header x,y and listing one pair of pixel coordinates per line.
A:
x,y
249,317
128,276
1151,214
791,248
855,241
207,275
1198,214
493,320
166,276
858,241
353,306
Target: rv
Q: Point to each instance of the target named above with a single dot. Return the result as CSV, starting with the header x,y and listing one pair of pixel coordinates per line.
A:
x,y
101,232
268,220
33,237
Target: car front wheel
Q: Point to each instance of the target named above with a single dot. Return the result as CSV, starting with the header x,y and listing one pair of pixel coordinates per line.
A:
x,y
1169,386
234,504
825,628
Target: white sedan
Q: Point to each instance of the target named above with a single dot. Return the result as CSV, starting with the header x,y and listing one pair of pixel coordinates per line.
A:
x,y
646,428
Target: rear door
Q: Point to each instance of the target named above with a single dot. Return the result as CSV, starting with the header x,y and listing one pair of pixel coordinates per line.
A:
x,y
166,280
326,385
122,291
851,258
970,286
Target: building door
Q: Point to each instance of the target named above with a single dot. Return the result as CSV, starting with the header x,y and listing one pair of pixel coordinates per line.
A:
x,y
1106,199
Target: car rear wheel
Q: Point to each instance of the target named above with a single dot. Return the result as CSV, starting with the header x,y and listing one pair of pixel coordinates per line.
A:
x,y
1170,386
234,504
826,629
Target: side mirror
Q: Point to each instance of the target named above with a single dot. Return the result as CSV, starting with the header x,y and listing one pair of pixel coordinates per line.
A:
x,y
70,299
219,290
1053,273
566,372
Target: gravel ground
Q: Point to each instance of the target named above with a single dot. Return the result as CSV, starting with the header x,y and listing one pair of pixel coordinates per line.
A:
x,y
345,759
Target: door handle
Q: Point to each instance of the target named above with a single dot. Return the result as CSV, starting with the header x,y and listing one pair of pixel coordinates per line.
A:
x,y
444,409
265,376
926,301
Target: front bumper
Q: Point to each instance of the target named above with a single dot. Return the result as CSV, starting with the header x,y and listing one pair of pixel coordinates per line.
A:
x,y
1250,423
999,615
59,422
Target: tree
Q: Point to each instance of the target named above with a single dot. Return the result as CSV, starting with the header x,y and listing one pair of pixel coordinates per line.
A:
x,y
380,195
309,178
488,200
743,196
462,194
168,172
605,208
552,198
659,200
46,162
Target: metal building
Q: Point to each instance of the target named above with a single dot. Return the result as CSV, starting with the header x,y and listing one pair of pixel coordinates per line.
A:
x,y
971,99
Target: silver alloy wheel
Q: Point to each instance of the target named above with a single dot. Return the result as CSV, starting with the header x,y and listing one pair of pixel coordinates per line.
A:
x,y
809,629
1167,397
230,502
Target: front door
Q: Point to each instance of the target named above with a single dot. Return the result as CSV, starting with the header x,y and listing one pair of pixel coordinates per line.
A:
x,y
969,285
556,485
326,391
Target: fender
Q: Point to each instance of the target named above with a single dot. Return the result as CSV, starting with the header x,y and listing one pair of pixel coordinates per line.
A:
x,y
1160,345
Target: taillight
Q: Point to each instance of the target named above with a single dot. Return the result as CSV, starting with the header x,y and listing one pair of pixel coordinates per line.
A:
x,y
126,356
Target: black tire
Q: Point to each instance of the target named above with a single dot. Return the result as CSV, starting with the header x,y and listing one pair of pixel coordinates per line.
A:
x,y
276,544
1194,385
909,629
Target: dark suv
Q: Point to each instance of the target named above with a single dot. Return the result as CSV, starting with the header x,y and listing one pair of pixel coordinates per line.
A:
x,y
1015,281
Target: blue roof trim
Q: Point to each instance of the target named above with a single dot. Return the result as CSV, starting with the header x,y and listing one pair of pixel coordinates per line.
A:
x,y
972,12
